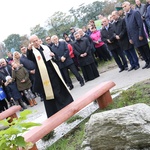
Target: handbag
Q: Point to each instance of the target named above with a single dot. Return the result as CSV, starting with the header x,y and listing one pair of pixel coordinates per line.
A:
x,y
2,94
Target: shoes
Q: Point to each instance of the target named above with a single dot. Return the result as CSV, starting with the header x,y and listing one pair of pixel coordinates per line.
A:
x,y
131,68
42,99
31,103
137,67
34,101
121,70
71,87
126,68
82,84
146,65
11,103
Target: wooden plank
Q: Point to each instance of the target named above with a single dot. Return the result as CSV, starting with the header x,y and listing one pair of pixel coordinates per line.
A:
x,y
100,92
10,112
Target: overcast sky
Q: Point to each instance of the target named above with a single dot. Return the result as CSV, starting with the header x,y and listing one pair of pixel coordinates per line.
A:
x,y
18,16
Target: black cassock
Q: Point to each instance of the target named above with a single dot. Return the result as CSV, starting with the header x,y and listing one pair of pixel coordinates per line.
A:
x,y
62,96
87,63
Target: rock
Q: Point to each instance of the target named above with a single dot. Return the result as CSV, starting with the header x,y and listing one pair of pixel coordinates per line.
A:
x,y
119,129
2,127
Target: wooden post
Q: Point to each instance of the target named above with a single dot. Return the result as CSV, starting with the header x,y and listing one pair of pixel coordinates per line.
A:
x,y
34,147
104,100
12,117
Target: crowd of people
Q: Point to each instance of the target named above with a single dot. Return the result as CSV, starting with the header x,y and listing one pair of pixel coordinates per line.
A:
x,y
44,70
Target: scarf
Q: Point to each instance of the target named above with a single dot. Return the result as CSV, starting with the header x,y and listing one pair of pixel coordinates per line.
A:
x,y
43,72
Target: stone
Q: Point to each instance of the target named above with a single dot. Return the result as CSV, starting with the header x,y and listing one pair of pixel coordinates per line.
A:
x,y
2,127
119,129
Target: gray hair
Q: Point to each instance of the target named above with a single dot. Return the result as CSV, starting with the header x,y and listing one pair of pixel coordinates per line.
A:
x,y
126,2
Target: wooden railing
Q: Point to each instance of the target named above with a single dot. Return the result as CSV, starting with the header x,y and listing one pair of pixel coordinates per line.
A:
x,y
101,93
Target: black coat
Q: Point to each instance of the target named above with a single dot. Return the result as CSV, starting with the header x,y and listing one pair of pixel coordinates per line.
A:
x,y
59,51
6,73
12,91
62,96
135,28
109,34
91,42
83,46
27,63
121,31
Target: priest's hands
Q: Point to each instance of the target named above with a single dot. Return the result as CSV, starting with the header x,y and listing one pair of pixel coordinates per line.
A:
x,y
30,46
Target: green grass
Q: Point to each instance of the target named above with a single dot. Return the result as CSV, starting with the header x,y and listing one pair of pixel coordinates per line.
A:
x,y
49,136
72,140
116,91
138,93
74,118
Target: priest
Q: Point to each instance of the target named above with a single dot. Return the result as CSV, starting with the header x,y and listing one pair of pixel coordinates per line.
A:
x,y
48,80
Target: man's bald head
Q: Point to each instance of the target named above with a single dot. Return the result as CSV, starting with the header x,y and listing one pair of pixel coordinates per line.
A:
x,y
32,37
115,15
105,21
35,41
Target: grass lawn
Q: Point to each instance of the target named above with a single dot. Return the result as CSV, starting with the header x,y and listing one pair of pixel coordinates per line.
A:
x,y
138,93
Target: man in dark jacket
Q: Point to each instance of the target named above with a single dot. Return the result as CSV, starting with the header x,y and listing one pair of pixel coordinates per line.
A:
x,y
49,42
122,38
82,50
108,37
64,61
72,30
136,32
28,64
140,7
147,16
5,70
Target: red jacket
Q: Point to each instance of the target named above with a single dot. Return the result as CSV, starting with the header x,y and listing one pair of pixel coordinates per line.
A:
x,y
70,50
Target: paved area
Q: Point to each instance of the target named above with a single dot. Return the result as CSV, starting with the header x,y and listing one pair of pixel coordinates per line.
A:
x,y
122,80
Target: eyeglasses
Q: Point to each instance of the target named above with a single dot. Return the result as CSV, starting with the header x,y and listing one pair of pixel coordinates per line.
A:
x,y
48,39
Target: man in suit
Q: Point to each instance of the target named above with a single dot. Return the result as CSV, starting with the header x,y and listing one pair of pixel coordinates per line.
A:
x,y
64,61
27,63
122,38
5,69
30,66
49,42
136,32
108,37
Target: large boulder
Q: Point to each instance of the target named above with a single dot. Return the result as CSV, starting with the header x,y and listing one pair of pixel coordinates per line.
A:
x,y
119,129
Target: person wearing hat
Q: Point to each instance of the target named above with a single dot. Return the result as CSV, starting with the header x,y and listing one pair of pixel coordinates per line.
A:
x,y
72,30
119,10
14,95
